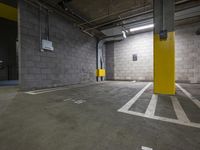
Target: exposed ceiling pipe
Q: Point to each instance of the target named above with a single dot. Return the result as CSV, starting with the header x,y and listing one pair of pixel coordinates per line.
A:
x,y
131,16
113,14
100,62
124,11
38,4
121,19
68,11
182,1
146,18
150,20
64,5
128,23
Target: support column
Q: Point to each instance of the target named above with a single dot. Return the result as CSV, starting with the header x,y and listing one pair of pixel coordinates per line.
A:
x,y
164,47
8,12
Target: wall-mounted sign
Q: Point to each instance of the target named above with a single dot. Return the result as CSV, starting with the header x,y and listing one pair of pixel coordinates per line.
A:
x,y
134,57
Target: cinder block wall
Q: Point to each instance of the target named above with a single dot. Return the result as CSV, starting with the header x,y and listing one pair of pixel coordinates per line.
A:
x,y
188,53
120,65
73,60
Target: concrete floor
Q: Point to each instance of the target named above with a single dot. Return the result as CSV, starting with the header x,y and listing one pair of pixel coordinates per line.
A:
x,y
87,118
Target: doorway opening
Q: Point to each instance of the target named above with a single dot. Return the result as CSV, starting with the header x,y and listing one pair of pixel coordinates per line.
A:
x,y
8,43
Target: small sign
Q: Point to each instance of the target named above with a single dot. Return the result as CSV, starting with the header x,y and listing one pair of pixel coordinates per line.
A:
x,y
134,57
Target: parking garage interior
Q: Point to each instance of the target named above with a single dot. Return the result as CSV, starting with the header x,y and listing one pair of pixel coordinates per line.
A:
x,y
100,75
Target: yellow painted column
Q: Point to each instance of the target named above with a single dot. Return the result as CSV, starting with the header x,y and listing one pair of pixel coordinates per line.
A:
x,y
164,47
8,12
164,64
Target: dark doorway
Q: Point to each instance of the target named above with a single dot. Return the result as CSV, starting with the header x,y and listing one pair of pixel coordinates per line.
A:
x,y
8,52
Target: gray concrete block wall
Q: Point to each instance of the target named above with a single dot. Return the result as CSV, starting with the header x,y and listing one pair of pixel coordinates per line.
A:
x,y
188,53
124,66
187,56
72,62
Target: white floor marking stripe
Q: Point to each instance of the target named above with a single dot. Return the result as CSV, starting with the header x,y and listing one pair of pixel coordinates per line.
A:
x,y
152,105
179,110
175,121
45,91
134,99
35,92
196,101
146,148
182,117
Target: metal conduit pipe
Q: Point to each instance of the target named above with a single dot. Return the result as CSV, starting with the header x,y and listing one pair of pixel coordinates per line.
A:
x,y
121,19
126,11
100,62
132,16
116,13
37,4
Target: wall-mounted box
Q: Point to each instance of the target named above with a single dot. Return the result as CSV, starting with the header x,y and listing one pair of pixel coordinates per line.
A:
x,y
47,45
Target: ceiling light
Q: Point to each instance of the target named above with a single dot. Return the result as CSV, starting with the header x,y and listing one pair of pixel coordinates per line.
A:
x,y
142,28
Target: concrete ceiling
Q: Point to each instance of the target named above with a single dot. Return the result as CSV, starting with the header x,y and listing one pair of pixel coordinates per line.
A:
x,y
96,16
92,9
94,13
10,2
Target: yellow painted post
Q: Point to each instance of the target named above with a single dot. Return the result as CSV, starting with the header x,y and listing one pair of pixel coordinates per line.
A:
x,y
8,12
164,64
164,47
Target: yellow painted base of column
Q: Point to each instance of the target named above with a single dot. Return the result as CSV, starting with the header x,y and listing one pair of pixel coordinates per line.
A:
x,y
101,73
8,12
164,64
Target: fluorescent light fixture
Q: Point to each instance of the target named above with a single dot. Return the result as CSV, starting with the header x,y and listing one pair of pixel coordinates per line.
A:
x,y
142,28
124,34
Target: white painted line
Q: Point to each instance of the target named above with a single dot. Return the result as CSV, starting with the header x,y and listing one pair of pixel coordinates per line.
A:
x,y
193,99
146,148
44,91
152,106
68,99
134,99
35,92
175,121
182,117
79,101
179,110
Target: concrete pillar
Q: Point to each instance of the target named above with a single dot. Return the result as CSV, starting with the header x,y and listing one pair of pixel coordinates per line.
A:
x,y
164,47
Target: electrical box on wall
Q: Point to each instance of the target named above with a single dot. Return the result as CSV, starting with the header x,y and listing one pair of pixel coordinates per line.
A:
x,y
134,57
47,45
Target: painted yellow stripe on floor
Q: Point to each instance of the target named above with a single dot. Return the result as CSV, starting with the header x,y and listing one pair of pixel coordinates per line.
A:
x,y
8,12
